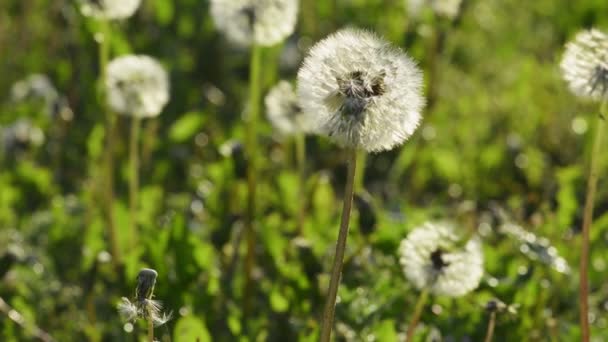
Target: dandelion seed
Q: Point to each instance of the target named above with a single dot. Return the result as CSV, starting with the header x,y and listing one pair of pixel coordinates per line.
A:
x,y
363,92
433,258
109,9
284,112
263,22
585,65
137,85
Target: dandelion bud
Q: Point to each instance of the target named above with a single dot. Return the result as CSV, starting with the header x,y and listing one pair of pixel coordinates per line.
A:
x,y
263,22
363,92
109,9
585,65
433,258
284,112
137,85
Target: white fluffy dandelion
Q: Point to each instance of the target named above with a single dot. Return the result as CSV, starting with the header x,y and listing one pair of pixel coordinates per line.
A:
x,y
434,258
137,85
263,22
284,112
585,65
109,9
363,92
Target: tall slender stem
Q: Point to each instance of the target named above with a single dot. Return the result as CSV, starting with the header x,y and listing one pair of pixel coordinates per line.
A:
x,y
251,150
491,325
360,174
134,178
422,298
300,140
336,272
587,220
150,329
108,189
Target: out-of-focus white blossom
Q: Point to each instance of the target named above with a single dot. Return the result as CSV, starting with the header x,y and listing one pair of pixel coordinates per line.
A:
x,y
109,9
284,112
137,85
585,65
363,92
263,22
435,258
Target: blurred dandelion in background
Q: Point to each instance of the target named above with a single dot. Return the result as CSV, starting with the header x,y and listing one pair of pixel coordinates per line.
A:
x,y
364,93
434,257
284,112
585,65
444,8
263,22
143,306
109,9
137,85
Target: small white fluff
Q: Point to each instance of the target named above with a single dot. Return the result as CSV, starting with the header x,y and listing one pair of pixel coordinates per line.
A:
x,y
137,85
363,92
284,112
434,258
263,22
109,9
585,65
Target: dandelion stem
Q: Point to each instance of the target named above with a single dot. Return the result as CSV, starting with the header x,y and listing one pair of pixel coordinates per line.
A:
x,y
587,220
422,298
251,150
108,189
491,325
360,174
150,329
334,284
300,140
134,178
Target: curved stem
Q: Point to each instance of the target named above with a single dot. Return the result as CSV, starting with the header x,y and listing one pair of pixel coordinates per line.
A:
x,y
334,284
587,221
251,150
134,178
491,325
300,140
422,298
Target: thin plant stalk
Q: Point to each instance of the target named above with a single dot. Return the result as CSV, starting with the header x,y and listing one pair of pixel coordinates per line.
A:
x,y
108,188
252,150
491,325
360,174
336,272
587,221
300,142
422,299
134,177
150,330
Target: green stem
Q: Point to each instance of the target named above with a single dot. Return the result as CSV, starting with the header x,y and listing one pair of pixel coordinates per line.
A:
x,y
334,284
360,175
134,178
251,150
587,221
300,140
422,298
150,329
491,325
108,189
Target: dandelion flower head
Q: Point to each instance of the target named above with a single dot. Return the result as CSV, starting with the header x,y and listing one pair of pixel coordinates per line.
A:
x,y
137,85
364,93
109,9
284,112
585,65
143,306
434,258
263,22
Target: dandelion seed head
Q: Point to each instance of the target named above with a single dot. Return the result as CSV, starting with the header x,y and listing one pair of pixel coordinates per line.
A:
x,y
584,65
263,22
137,85
127,310
433,258
109,9
146,279
284,112
363,92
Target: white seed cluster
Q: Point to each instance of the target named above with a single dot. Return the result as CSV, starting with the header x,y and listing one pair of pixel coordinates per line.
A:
x,y
363,92
585,65
263,22
284,112
433,258
137,85
109,9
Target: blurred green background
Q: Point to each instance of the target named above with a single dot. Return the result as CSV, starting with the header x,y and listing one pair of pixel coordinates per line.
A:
x,y
502,149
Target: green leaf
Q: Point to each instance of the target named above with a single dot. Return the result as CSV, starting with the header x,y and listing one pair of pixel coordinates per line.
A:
x,y
190,329
186,127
